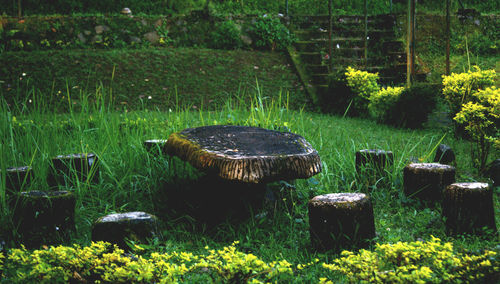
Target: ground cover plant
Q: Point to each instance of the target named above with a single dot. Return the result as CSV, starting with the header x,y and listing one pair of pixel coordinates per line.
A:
x,y
274,243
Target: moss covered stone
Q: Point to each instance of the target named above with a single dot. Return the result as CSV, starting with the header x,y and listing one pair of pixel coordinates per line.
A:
x,y
67,169
116,228
468,208
341,220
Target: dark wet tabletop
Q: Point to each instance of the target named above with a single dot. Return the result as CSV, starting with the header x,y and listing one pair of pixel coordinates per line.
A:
x,y
245,141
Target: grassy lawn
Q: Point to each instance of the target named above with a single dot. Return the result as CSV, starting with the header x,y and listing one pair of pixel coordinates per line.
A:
x,y
133,180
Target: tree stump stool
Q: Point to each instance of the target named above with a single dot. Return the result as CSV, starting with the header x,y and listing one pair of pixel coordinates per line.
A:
x,y
68,169
426,181
468,208
341,220
17,179
116,228
44,217
155,146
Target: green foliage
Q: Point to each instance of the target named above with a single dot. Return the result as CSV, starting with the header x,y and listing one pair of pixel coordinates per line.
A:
x,y
226,35
383,102
103,263
481,118
414,106
363,85
416,262
269,33
459,88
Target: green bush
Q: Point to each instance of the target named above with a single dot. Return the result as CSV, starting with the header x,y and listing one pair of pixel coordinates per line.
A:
x,y
413,106
416,262
481,119
458,89
363,85
270,33
382,103
226,35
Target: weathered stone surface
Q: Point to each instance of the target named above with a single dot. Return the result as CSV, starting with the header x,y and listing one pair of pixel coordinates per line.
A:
x,y
66,169
444,155
135,39
152,37
247,154
426,181
44,217
246,40
116,228
341,220
468,207
371,164
17,179
81,38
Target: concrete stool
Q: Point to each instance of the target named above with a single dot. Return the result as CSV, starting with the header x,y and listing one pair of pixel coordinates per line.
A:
x,y
426,181
17,179
115,228
374,159
468,207
44,217
341,220
66,169
155,146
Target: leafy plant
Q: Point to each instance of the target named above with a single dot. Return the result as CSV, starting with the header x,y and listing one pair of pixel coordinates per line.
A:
x,y
416,262
269,33
413,107
481,118
383,102
226,35
363,85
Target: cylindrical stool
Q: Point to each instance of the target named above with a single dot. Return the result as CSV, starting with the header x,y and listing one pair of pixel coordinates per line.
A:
x,y
341,220
115,228
155,146
44,217
66,168
374,159
16,179
468,207
426,181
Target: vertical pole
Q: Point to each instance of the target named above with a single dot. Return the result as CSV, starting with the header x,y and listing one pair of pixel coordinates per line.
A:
x,y
286,8
19,8
410,58
330,36
448,35
366,33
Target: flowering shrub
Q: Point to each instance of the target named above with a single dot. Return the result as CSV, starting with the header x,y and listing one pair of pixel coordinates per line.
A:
x,y
383,101
270,33
481,118
103,263
458,89
364,85
415,262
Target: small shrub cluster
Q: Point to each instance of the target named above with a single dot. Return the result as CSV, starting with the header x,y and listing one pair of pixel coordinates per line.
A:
x,y
226,35
361,94
416,262
270,33
103,263
475,106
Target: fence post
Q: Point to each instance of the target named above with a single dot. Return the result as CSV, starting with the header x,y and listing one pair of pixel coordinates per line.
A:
x,y
330,35
19,8
366,33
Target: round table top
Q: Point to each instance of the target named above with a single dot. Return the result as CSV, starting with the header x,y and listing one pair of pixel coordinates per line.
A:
x,y
248,154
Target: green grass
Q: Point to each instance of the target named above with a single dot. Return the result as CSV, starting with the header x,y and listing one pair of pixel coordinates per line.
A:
x,y
133,180
161,78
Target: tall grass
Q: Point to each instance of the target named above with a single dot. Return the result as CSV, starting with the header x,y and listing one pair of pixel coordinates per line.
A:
x,y
133,179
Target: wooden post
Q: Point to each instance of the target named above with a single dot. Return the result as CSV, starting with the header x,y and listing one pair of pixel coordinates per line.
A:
x,y
448,35
330,36
366,33
410,54
19,8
